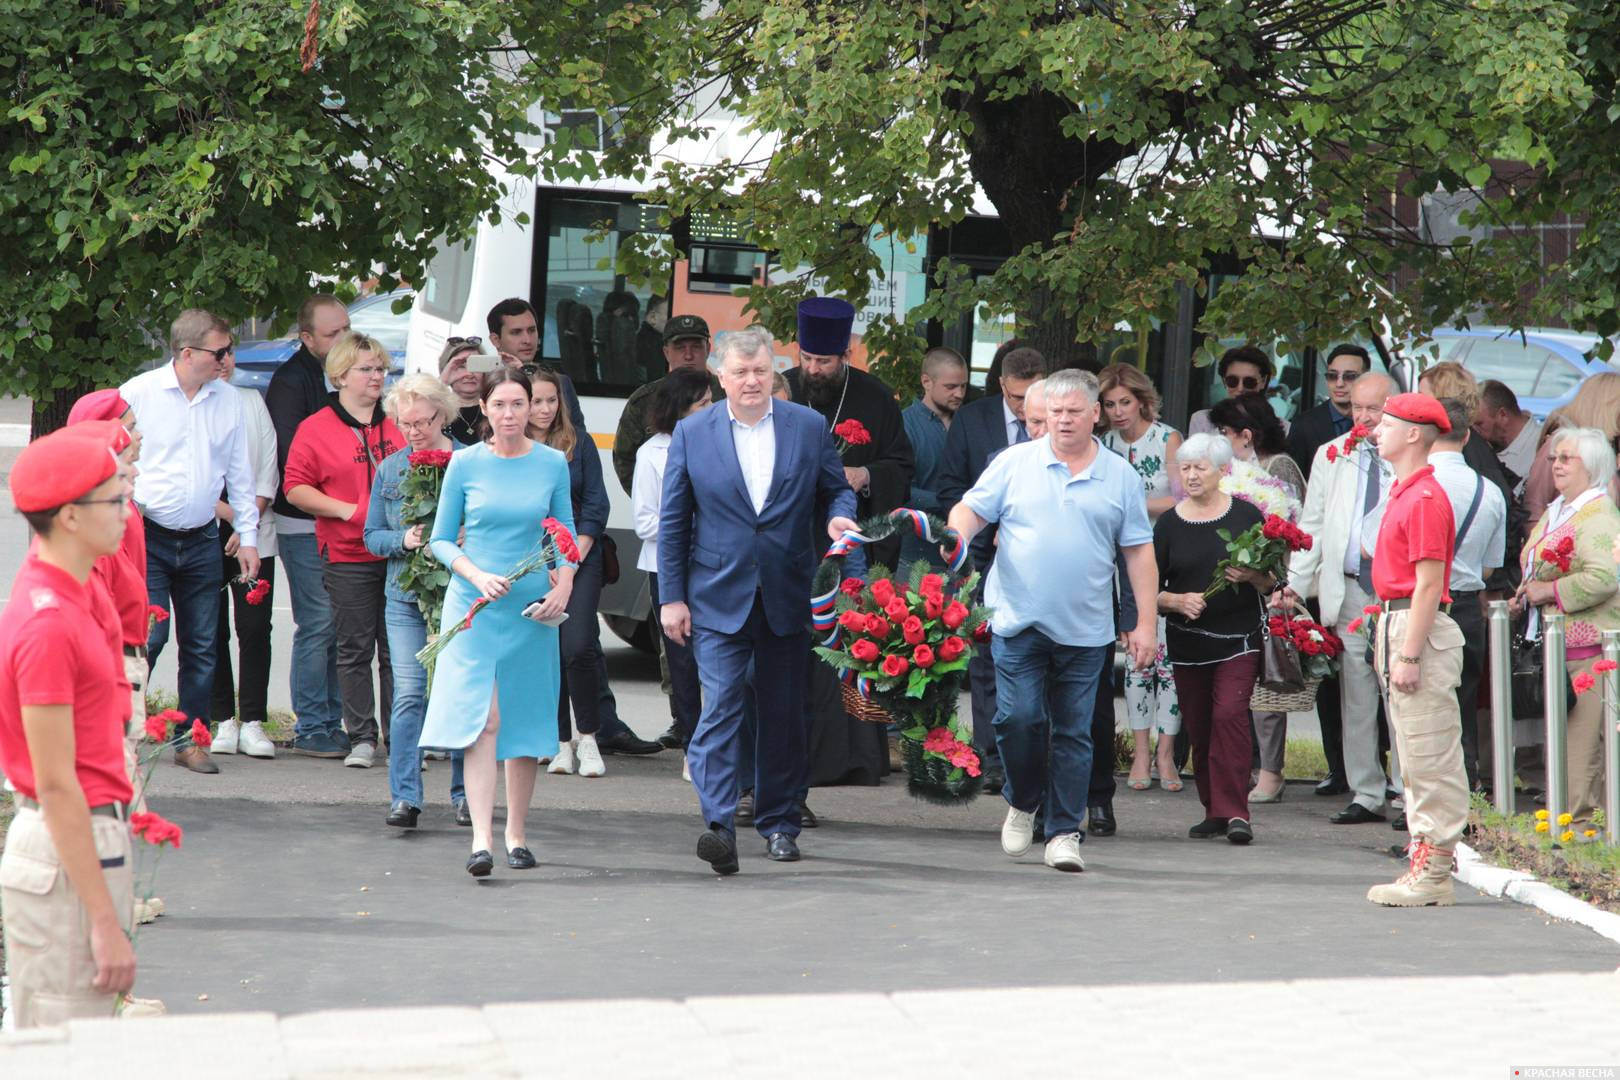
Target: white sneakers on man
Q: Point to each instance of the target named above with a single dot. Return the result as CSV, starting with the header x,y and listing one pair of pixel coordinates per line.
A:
x,y
563,763
249,738
1017,832
1063,853
589,757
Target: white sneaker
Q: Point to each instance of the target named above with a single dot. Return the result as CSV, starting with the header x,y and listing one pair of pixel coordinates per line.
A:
x,y
361,755
254,742
225,738
590,758
563,763
686,768
1063,853
1017,832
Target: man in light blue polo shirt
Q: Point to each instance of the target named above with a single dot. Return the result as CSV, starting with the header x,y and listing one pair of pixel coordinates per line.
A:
x,y
1064,507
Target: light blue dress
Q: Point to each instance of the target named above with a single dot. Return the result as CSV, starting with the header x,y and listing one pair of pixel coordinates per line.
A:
x,y
501,502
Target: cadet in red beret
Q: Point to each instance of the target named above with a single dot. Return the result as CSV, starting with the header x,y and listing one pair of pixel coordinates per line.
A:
x,y
66,874
1418,650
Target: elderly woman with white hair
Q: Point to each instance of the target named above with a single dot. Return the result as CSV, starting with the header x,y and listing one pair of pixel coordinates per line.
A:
x,y
422,407
1569,566
1213,644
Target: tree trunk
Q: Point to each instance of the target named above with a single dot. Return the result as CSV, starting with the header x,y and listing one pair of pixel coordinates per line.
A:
x,y
52,412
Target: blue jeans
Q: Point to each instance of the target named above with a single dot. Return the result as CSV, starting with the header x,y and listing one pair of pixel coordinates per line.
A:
x,y
407,634
316,700
183,575
1045,694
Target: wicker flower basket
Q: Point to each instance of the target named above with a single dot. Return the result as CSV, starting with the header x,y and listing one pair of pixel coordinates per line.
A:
x,y
862,707
1263,700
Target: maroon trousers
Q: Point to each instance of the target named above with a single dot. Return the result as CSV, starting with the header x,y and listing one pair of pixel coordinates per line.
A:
x,y
1214,700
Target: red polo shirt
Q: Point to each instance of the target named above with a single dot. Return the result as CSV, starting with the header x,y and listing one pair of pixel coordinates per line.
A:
x,y
59,645
1417,525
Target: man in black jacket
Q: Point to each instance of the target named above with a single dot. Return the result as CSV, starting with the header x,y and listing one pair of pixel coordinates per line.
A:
x,y
297,391
1331,419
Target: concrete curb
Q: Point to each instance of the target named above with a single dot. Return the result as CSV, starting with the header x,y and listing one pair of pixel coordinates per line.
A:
x,y
1523,888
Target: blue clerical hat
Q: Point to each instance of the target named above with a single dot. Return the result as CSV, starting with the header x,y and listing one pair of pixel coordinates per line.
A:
x,y
824,325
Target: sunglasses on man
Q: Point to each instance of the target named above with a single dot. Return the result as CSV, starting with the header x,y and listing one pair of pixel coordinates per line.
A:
x,y
219,355
1342,376
1242,382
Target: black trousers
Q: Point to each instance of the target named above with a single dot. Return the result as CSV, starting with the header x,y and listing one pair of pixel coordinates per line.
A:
x,y
358,604
1103,758
249,700
1469,616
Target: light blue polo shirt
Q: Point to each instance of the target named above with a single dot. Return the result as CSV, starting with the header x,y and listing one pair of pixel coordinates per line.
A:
x,y
1054,567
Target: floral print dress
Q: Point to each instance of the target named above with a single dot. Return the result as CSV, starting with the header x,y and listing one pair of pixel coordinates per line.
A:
x,y
1150,695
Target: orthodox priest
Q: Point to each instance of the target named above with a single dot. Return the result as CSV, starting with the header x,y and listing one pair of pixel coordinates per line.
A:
x,y
842,749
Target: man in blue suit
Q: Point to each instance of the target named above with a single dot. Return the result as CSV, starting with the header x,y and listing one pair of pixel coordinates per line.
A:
x,y
744,482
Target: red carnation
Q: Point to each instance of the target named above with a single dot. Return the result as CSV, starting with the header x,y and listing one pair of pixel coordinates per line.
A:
x,y
853,621
1583,682
981,633
922,656
865,651
157,614
477,606
200,736
951,648
1371,609
1603,666
894,666
1566,546
912,630
883,592
933,606
157,728
155,829
853,432
852,587
954,615
259,593
896,609
1333,453
878,626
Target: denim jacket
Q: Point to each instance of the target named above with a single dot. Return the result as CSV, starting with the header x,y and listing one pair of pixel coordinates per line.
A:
x,y
385,531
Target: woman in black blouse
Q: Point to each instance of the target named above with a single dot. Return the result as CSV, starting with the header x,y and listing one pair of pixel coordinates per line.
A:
x,y
1214,644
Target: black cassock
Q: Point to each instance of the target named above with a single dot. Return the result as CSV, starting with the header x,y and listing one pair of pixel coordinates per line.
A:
x,y
842,749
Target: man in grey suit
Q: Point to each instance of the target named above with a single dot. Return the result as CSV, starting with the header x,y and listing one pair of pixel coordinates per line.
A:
x,y
981,429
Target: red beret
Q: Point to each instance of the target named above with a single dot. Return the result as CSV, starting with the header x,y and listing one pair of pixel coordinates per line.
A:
x,y
63,466
98,405
1418,409
113,432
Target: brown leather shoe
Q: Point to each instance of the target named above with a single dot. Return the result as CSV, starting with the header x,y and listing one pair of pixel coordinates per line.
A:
x,y
196,759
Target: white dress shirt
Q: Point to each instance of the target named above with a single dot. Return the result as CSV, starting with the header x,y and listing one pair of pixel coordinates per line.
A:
x,y
261,441
190,450
1012,424
647,497
1364,528
1483,548
756,453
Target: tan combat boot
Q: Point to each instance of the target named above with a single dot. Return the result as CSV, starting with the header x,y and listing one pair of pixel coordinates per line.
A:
x,y
1426,883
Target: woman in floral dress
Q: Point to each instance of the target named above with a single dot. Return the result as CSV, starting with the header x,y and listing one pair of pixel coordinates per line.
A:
x,y
1130,405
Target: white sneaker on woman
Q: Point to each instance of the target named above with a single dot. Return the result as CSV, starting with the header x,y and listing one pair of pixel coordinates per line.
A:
x,y
254,742
225,737
590,758
563,763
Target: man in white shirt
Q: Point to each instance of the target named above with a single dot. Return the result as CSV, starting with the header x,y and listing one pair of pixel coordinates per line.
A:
x,y
1480,512
1512,433
195,446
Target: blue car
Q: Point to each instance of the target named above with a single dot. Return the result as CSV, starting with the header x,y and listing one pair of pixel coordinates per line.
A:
x,y
257,361
1543,368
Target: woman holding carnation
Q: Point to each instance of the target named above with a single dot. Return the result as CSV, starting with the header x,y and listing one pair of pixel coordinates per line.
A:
x,y
1214,643
495,685
1249,424
1130,405
582,685
330,466
421,406
679,395
1569,566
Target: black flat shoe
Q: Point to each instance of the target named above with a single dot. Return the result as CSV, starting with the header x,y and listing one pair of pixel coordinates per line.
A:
x,y
521,858
670,739
1100,821
744,815
1332,786
1208,829
807,817
626,742
463,813
781,848
402,815
1356,814
718,848
1239,831
480,863
1399,824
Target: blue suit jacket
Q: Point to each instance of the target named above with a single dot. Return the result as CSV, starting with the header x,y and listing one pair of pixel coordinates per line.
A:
x,y
715,553
978,434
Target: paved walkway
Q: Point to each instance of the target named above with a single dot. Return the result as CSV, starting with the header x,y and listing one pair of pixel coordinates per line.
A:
x,y
1442,1027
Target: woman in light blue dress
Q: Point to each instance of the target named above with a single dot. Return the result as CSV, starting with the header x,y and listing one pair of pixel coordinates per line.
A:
x,y
496,684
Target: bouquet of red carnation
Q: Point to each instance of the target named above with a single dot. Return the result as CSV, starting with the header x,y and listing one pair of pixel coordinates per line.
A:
x,y
556,549
1554,560
1319,648
1264,547
851,433
1351,441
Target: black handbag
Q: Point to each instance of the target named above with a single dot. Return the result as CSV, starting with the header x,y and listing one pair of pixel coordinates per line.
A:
x,y
1529,687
